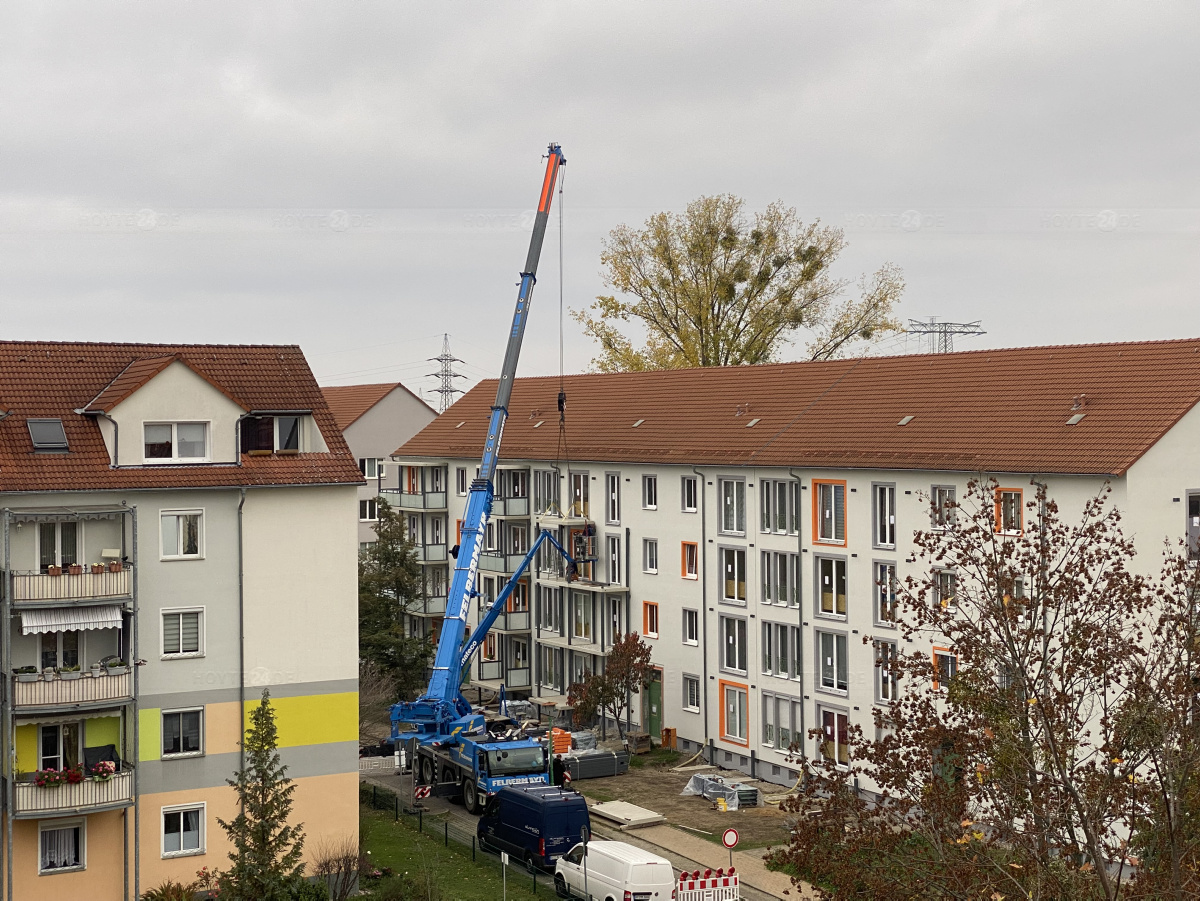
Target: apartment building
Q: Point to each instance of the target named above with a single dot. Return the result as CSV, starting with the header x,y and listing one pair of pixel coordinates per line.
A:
x,y
375,420
179,531
750,522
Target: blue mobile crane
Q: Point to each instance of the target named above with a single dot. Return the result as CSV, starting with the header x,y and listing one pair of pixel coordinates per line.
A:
x,y
454,747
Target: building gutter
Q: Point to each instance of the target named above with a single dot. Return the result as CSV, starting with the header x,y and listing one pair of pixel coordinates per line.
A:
x,y
703,595
241,632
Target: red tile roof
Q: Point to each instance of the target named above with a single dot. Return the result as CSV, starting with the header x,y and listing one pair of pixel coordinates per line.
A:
x,y
991,410
348,402
51,379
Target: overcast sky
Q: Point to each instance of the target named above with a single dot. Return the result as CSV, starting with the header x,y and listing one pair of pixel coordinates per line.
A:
x,y
357,177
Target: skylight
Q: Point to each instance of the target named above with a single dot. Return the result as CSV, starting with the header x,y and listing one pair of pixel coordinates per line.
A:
x,y
906,420
48,435
1076,419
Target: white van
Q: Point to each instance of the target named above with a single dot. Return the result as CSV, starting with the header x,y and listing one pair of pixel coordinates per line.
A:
x,y
615,872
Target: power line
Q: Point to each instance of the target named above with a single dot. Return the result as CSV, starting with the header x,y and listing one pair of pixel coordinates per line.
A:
x,y
446,375
940,335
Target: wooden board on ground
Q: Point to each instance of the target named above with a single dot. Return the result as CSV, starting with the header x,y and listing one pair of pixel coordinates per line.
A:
x,y
626,815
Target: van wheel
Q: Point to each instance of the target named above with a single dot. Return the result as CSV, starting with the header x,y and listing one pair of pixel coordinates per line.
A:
x,y
530,863
470,796
560,886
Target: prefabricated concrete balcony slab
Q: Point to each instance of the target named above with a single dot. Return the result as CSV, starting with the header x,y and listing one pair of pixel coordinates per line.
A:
x,y
626,815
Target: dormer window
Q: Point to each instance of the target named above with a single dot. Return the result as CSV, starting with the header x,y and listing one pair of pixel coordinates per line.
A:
x,y
271,434
47,435
176,442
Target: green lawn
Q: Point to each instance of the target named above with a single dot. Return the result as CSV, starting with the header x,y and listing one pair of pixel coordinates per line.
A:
x,y
398,845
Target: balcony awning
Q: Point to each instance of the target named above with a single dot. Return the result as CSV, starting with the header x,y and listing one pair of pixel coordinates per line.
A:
x,y
64,619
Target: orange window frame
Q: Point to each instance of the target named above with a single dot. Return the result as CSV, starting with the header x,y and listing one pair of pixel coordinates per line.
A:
x,y
816,513
646,605
683,559
1020,493
948,652
725,736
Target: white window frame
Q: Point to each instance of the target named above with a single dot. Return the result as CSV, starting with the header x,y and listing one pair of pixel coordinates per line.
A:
x,y
54,826
942,516
827,518
612,498
182,755
878,570
683,494
649,492
694,572
691,618
688,682
650,555
650,611
612,549
822,709
883,514
460,481
732,515
162,632
175,458
887,683
738,553
835,562
202,806
950,654
199,555
745,649
819,682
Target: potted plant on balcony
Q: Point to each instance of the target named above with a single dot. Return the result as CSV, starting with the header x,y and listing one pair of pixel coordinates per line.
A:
x,y
75,569
69,673
103,770
53,570
116,667
115,566
53,778
26,673
97,670
97,568
49,674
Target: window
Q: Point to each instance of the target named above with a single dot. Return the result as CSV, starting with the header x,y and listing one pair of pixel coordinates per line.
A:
x,y
884,503
369,467
368,511
944,588
612,498
829,512
613,543
182,635
835,742
579,494
650,555
264,434
650,492
650,619
60,648
691,627
775,649
691,693
794,669
945,667
885,594
182,533
61,847
1192,527
733,569
831,651
831,585
943,505
183,830
176,442
733,640
518,536
490,650
59,746
735,719
778,501
460,481
181,733
550,609
885,667
689,494
779,715
733,506
581,615
47,435
58,544
780,578
287,435
1008,511
691,560
545,490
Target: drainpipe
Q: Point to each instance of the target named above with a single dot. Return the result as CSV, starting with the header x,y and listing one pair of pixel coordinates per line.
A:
x,y
241,631
628,629
133,661
8,748
800,619
703,596
116,458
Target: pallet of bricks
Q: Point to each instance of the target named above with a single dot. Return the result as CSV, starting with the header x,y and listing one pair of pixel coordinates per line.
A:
x,y
720,885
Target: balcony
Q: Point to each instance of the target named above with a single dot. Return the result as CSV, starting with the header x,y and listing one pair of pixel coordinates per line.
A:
x,y
432,606
39,588
84,691
512,621
510,506
431,553
88,796
415,500
493,561
493,671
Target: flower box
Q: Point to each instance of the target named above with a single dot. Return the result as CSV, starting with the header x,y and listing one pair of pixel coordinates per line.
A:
x,y
97,568
115,566
75,569
69,675
54,570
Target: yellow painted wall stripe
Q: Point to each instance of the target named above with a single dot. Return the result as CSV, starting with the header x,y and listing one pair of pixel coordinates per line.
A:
x,y
313,719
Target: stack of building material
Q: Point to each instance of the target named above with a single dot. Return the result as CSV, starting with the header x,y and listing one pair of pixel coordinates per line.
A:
x,y
625,815
596,764
561,740
583,741
735,794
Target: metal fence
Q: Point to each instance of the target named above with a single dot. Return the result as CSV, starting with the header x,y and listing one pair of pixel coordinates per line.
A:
x,y
521,879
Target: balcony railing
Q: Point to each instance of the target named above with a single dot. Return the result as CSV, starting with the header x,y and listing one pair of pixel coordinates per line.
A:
x,y
493,671
432,606
510,506
90,794
431,553
416,500
496,562
87,689
85,586
512,621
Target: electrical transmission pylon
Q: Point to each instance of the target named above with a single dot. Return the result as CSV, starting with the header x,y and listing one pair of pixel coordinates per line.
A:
x,y
446,375
941,334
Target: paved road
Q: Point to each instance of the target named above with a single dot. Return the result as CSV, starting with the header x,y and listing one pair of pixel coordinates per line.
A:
x,y
643,838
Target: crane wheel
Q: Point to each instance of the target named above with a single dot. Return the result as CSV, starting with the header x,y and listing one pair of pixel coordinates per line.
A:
x,y
470,796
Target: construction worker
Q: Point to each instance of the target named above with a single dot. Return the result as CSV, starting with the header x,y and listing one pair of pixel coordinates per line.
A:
x,y
557,770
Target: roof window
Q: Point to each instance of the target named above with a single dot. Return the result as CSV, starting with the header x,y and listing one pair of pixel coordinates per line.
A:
x,y
906,420
48,435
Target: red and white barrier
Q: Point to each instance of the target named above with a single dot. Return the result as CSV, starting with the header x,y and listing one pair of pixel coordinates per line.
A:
x,y
720,885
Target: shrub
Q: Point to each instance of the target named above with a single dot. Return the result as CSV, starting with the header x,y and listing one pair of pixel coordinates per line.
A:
x,y
171,891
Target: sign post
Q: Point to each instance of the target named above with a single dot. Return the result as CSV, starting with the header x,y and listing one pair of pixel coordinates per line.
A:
x,y
504,864
729,838
585,835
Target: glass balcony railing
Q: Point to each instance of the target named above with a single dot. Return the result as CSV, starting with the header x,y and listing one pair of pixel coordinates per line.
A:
x,y
493,561
415,500
510,506
431,553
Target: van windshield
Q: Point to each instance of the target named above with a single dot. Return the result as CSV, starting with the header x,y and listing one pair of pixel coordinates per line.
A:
x,y
508,762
